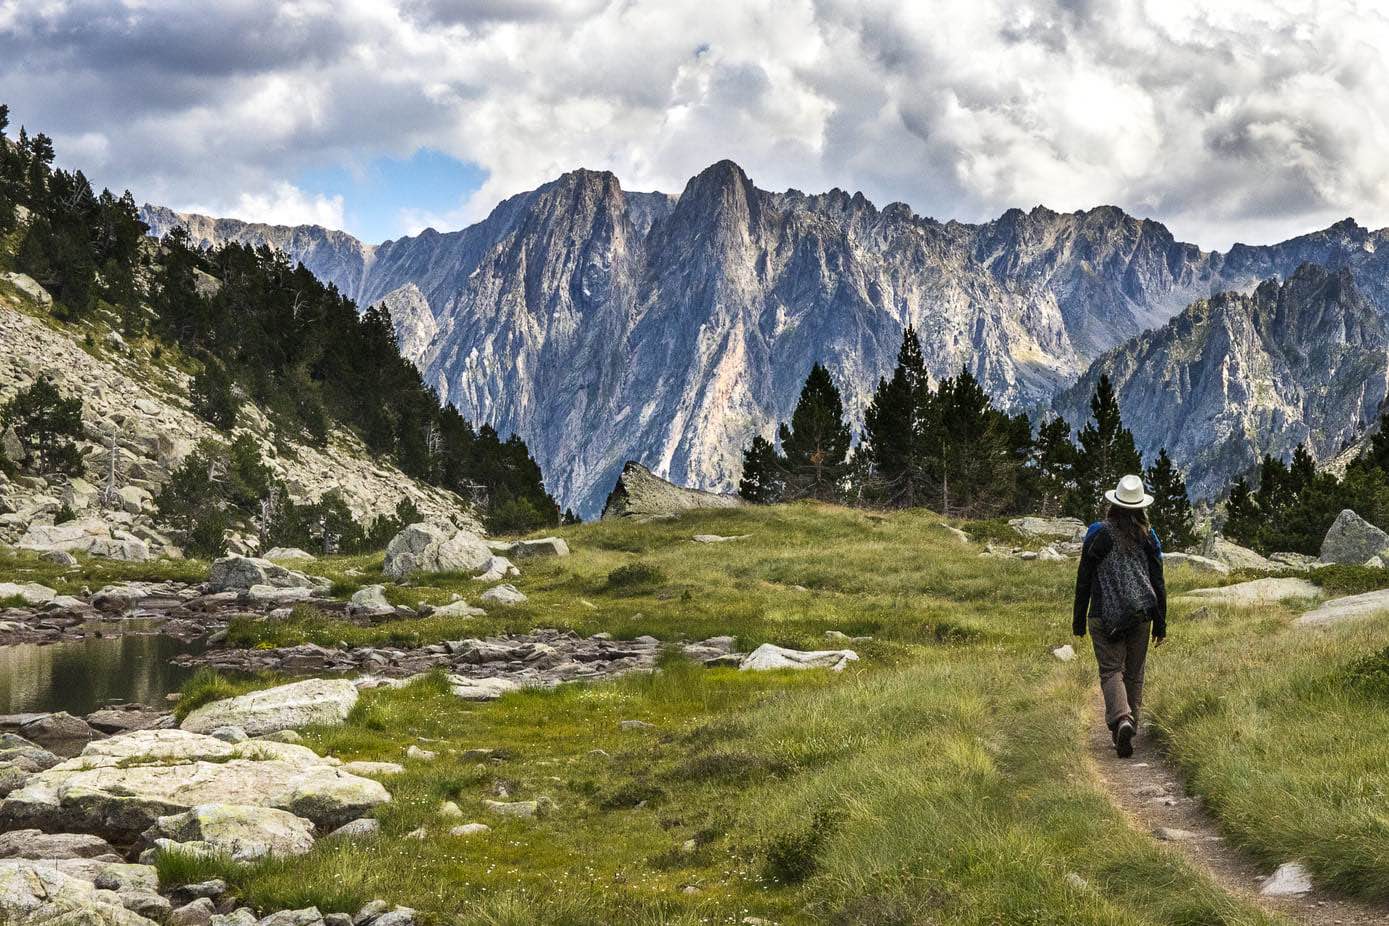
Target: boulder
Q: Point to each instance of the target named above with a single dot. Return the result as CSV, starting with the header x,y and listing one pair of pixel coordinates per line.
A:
x,y
504,594
30,592
641,493
57,727
771,656
241,832
1071,529
283,553
363,828
80,494
1237,557
457,609
194,913
92,536
1193,561
134,500
58,557
1348,608
33,893
119,787
432,548
370,600
1257,592
544,546
33,844
241,573
285,707
1352,540
1299,561
498,568
1290,879
28,286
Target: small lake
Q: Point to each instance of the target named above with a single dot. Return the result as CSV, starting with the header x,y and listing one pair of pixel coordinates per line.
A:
x,y
81,676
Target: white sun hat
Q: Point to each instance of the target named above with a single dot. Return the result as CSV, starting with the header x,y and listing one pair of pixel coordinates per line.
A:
x,y
1129,494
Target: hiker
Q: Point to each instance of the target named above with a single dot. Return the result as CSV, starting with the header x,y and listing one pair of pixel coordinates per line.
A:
x,y
1120,588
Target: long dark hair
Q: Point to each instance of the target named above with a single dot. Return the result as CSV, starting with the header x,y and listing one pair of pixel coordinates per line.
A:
x,y
1130,524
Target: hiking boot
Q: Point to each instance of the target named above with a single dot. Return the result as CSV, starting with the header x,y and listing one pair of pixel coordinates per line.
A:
x,y
1123,738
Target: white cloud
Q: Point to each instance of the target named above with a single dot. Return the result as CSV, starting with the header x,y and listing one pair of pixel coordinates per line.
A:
x,y
1250,120
283,204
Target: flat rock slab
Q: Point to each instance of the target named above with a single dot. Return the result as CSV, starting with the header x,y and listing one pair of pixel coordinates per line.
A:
x,y
1258,591
33,892
119,787
286,707
1349,608
770,656
1200,563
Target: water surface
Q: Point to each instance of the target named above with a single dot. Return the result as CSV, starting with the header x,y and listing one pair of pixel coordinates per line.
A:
x,y
81,676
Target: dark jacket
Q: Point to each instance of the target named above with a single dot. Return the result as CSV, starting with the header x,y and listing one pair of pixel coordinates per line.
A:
x,y
1098,542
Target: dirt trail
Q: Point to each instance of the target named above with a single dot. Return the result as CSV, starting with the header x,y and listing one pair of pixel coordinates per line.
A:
x,y
1153,795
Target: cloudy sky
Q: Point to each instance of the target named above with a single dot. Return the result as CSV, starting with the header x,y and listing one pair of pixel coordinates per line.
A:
x,y
1248,120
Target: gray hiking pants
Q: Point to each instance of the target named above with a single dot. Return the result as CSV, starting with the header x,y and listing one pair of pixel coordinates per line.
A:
x,y
1121,670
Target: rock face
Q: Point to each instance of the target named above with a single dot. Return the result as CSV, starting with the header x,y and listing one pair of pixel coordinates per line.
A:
x,y
1236,376
641,493
432,548
1353,540
412,320
119,787
286,707
605,325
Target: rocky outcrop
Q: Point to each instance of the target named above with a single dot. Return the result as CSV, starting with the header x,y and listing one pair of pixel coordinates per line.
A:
x,y
1351,607
1237,376
242,573
240,832
137,421
413,322
119,787
1257,592
434,548
317,701
641,493
1353,540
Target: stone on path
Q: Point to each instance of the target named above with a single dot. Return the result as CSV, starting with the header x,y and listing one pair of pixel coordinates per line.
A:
x,y
1347,608
286,707
1291,878
1257,592
1352,540
770,656
1173,834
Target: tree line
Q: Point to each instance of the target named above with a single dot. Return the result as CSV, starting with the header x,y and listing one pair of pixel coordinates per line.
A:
x,y
947,447
258,328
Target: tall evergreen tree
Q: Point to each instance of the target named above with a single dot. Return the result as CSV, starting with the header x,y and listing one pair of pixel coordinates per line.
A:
x,y
816,443
1242,516
1054,466
893,426
1171,511
764,473
1106,453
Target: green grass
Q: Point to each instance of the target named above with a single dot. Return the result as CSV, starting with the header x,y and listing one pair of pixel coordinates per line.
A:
x,y
207,685
942,779
1282,731
95,572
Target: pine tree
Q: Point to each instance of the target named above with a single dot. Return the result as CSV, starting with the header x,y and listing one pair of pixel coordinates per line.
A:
x,y
1106,453
1055,460
46,424
893,425
212,396
1171,511
1376,455
816,443
764,473
1242,515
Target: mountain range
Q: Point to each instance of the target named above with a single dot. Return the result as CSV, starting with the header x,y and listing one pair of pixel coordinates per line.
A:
x,y
604,325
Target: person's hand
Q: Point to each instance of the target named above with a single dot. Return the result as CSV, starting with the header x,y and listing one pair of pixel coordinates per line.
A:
x,y
1158,641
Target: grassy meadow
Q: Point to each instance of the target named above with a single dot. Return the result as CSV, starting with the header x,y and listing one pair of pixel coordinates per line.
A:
x,y
941,779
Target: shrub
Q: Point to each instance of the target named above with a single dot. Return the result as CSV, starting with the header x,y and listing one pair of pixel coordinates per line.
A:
x,y
45,424
636,576
791,858
1370,674
64,515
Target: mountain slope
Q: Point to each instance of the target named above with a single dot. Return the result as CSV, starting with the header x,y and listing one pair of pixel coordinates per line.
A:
x,y
603,325
1237,376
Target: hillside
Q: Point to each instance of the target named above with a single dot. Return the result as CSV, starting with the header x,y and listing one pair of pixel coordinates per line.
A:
x,y
603,325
